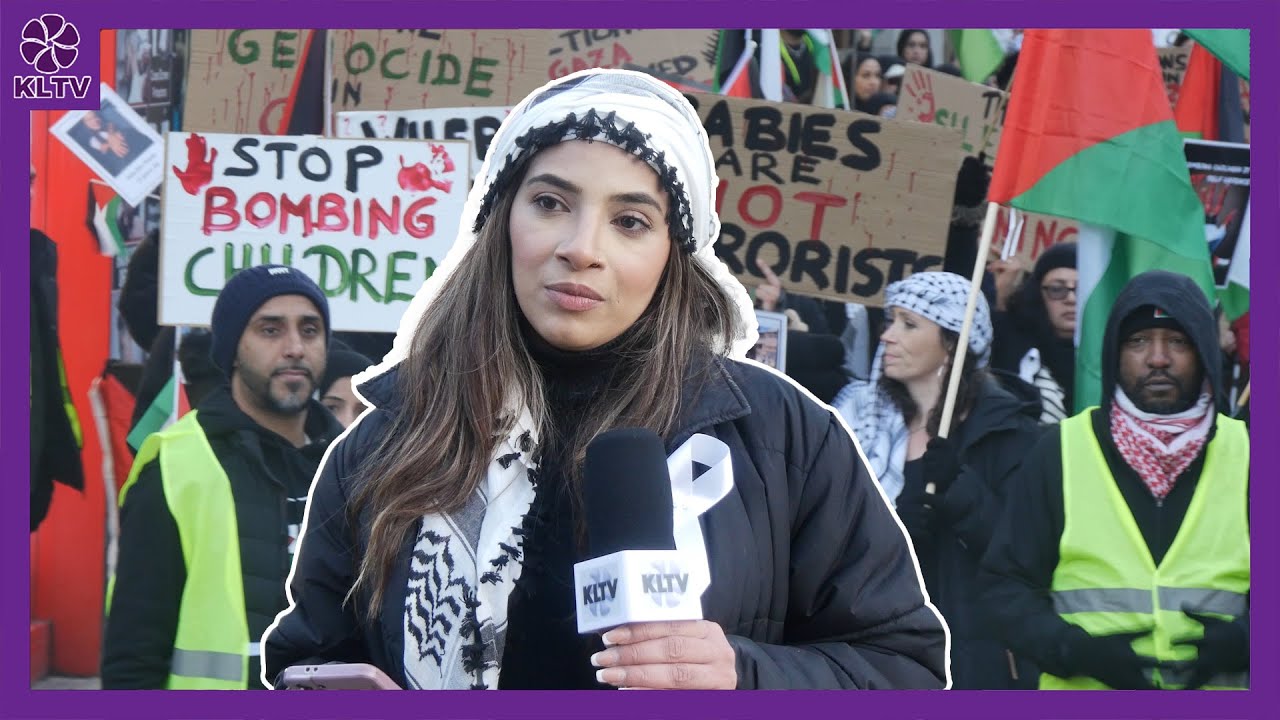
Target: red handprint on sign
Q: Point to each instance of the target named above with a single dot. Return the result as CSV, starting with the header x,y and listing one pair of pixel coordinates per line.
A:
x,y
199,171
920,90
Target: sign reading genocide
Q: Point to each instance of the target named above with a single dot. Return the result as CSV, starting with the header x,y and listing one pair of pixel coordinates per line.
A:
x,y
411,69
368,220
476,125
975,111
689,54
839,204
242,81
1220,174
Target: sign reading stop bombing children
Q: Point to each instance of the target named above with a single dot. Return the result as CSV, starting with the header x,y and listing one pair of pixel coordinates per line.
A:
x,y
368,220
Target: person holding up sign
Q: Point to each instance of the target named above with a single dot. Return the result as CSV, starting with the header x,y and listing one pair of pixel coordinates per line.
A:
x,y
586,296
896,418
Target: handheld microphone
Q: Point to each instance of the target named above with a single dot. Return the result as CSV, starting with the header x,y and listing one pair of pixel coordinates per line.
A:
x,y
635,573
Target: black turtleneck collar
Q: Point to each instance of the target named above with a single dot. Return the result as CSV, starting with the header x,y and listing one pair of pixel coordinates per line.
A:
x,y
587,370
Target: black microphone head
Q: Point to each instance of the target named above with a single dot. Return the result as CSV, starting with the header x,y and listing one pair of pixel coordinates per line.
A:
x,y
626,491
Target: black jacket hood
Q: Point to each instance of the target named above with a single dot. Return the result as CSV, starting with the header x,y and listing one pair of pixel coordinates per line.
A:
x,y
1183,300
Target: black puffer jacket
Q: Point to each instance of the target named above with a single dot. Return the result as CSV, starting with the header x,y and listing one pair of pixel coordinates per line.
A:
x,y
269,482
812,579
992,441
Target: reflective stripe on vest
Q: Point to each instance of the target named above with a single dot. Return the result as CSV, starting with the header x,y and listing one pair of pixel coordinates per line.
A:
x,y
1106,581
211,648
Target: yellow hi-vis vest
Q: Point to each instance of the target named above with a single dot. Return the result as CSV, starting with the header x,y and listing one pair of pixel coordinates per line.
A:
x,y
211,649
1106,581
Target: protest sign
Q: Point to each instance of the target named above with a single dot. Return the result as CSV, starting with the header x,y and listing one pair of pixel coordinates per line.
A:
x,y
1220,175
839,204
385,70
975,111
476,125
1033,233
116,143
688,54
243,81
1173,65
368,220
771,340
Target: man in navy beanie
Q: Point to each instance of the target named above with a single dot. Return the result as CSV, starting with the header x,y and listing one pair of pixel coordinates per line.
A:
x,y
213,505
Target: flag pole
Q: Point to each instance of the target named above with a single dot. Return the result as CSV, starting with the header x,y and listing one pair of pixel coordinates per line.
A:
x,y
962,345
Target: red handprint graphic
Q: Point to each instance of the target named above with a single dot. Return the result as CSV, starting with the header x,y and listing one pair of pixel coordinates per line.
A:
x,y
421,176
199,171
920,90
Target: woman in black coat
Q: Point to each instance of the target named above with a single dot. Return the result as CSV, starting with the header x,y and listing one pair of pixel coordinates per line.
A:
x,y
947,491
443,530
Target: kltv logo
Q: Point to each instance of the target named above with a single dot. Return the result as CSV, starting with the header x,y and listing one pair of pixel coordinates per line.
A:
x,y
50,45
600,594
666,585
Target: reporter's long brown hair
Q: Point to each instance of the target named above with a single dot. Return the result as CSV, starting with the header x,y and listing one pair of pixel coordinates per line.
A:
x,y
468,359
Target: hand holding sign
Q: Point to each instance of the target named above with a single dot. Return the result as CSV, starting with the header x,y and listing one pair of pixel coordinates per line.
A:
x,y
921,91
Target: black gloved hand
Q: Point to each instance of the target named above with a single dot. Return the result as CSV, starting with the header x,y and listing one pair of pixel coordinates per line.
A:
x,y
941,464
1223,648
918,516
1110,659
972,181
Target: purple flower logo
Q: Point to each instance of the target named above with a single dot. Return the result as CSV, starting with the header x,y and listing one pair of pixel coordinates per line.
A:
x,y
49,43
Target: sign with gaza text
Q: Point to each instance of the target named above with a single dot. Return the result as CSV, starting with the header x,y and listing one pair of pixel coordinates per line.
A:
x,y
476,125
1173,66
975,111
839,204
383,70
243,81
688,54
368,220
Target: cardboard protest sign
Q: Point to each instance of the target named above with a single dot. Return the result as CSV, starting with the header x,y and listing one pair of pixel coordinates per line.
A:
x,y
385,70
116,143
476,125
975,111
243,81
368,220
1220,175
1173,65
1033,233
688,54
839,204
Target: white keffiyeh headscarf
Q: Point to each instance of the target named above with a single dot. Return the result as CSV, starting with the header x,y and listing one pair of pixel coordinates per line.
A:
x,y
880,428
465,564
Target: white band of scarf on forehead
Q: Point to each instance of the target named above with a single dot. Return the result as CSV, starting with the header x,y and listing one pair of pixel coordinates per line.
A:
x,y
466,562
939,297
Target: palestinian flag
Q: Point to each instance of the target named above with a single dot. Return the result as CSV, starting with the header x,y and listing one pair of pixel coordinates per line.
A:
x,y
1229,46
170,404
979,53
1235,297
1089,135
1209,100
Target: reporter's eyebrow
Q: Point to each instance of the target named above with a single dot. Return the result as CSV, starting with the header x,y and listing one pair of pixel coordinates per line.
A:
x,y
632,198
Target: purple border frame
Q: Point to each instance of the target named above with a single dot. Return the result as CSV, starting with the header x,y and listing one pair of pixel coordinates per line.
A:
x,y
20,701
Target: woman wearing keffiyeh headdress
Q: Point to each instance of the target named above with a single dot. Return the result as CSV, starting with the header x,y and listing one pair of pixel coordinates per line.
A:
x,y
585,296
896,417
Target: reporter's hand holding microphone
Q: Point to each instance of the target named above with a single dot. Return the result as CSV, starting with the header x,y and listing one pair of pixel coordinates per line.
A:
x,y
654,636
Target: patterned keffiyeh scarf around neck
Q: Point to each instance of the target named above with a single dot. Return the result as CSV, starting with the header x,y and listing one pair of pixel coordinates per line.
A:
x,y
1160,447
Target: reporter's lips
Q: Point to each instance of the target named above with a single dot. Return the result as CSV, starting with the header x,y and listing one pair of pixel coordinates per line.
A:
x,y
573,297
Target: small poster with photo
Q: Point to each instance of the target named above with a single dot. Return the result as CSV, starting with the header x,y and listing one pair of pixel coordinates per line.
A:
x,y
116,143
771,346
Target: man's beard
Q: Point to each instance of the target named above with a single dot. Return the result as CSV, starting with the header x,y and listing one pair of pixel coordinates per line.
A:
x,y
1185,394
296,394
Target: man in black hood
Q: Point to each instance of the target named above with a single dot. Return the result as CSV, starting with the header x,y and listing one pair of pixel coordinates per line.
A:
x,y
1122,557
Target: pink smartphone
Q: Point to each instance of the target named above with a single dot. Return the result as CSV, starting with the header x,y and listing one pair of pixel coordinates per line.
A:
x,y
337,676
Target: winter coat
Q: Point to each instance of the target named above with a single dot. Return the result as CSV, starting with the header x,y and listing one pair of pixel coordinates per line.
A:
x,y
813,581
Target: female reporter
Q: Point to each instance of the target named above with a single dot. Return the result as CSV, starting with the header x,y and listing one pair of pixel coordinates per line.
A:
x,y
896,417
442,530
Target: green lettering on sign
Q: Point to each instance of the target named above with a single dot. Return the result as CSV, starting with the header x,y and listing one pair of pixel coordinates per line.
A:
x,y
393,275
250,52
188,278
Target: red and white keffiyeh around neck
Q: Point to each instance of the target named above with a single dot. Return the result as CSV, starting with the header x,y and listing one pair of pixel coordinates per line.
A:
x,y
1160,447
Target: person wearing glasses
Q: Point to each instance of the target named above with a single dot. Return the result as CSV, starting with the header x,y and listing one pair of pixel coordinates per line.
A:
x,y
1035,334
